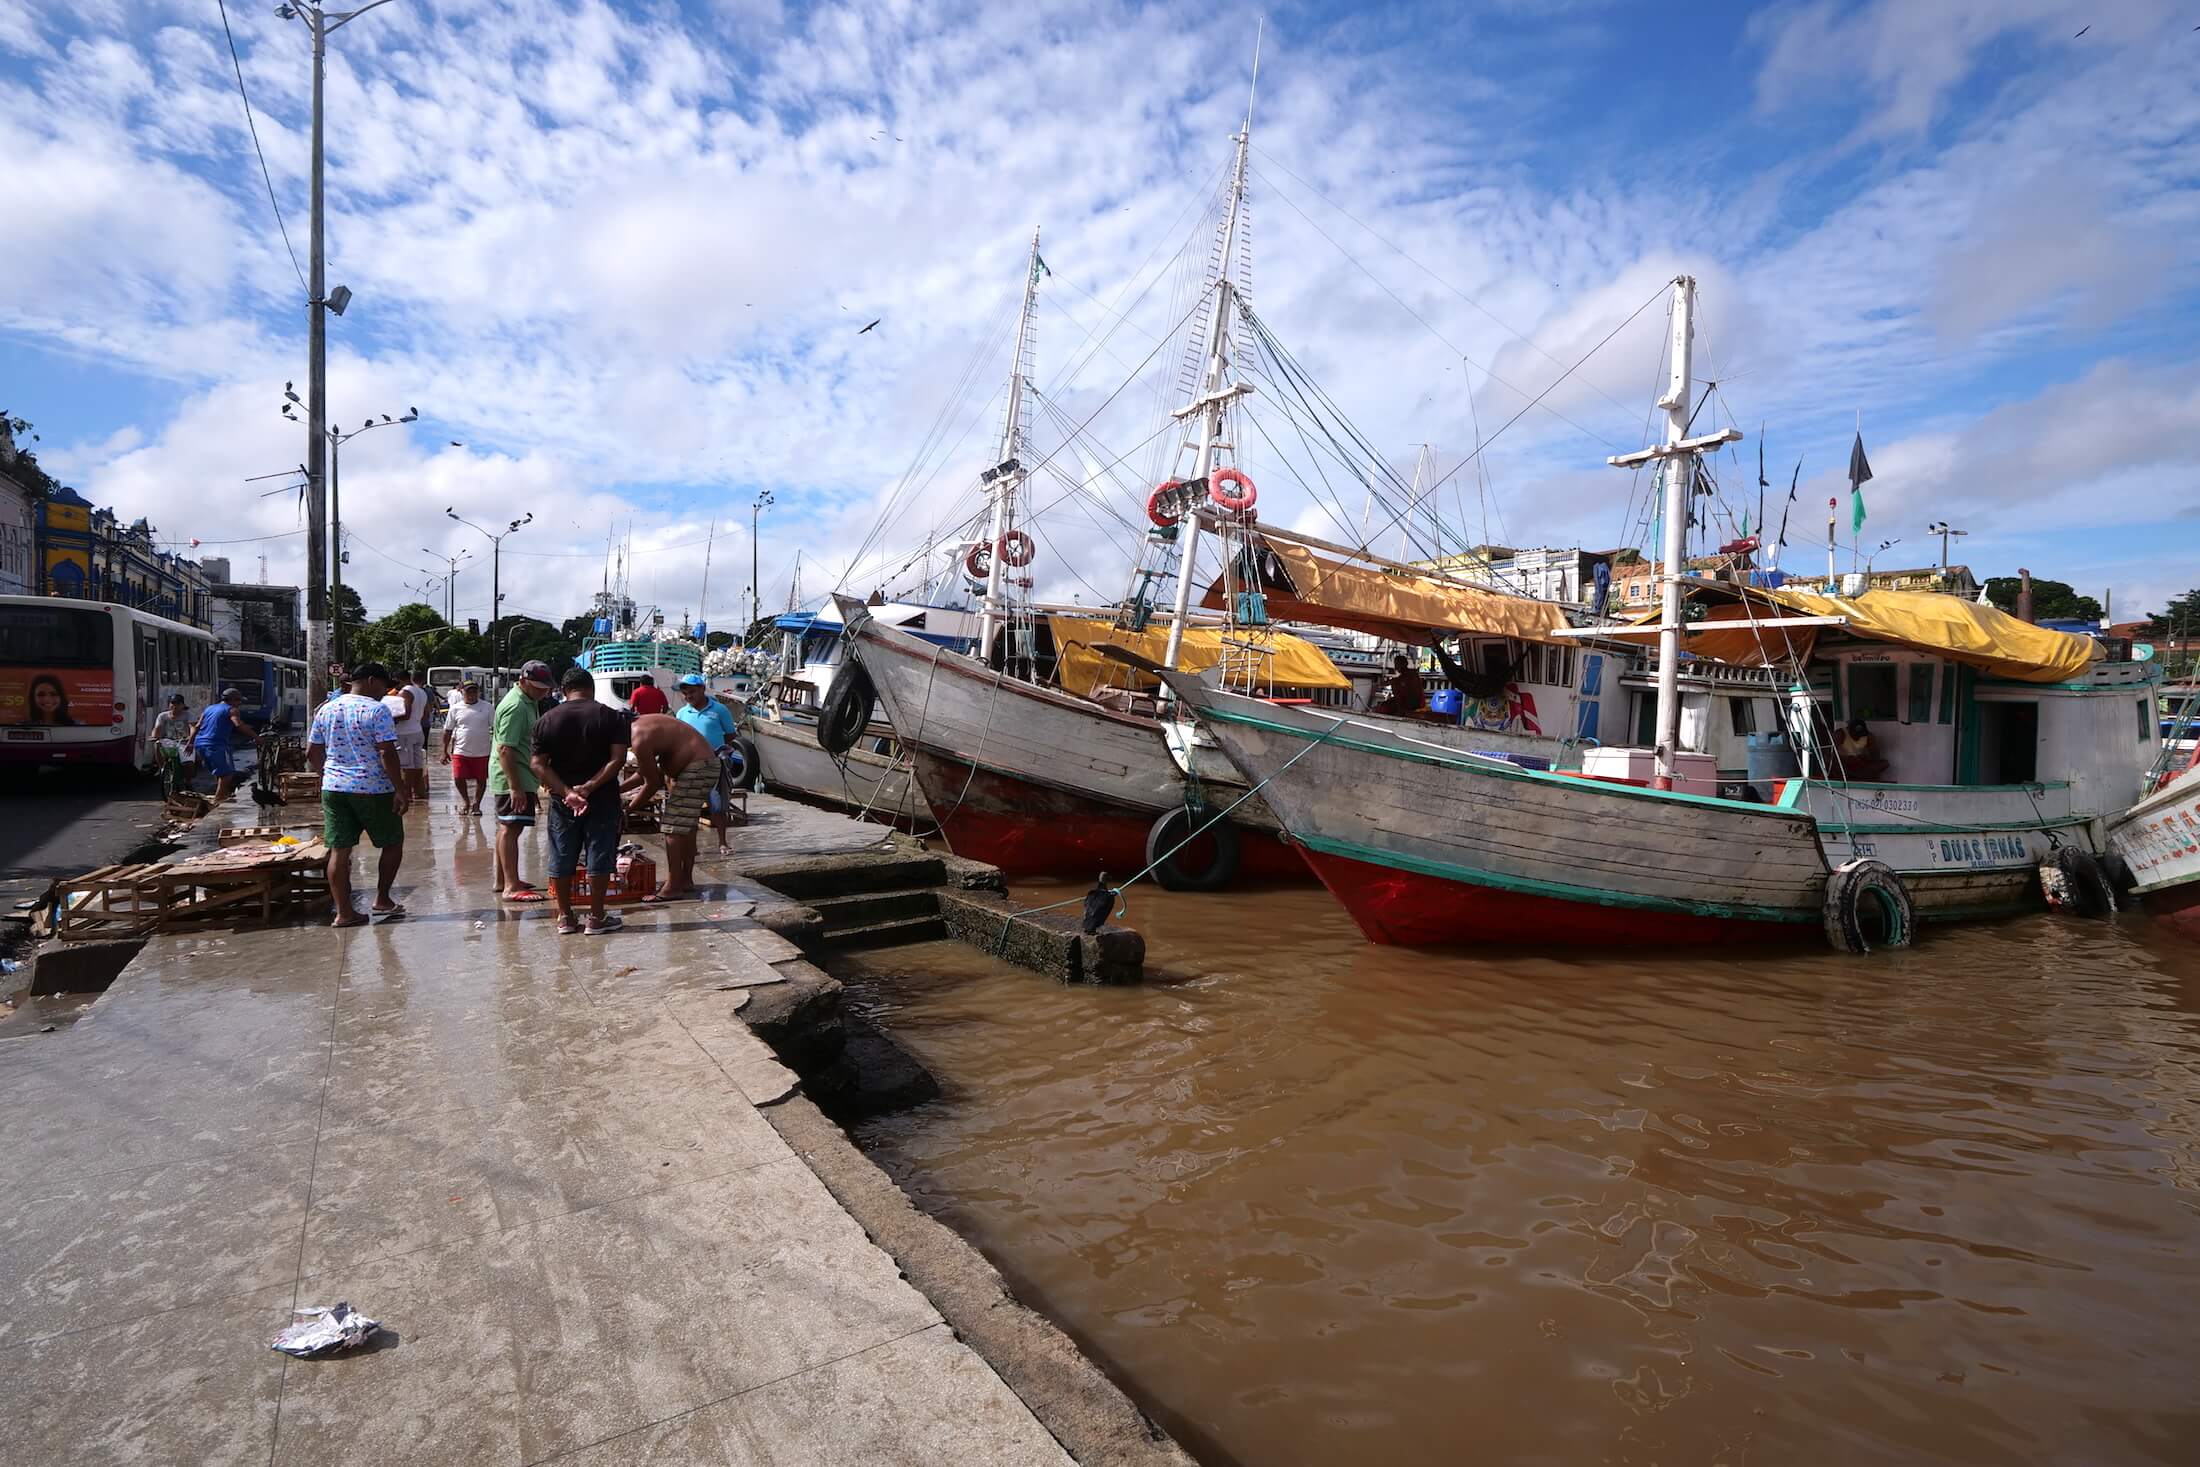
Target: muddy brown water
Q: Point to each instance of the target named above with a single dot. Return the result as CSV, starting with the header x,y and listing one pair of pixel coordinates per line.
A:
x,y
1315,1201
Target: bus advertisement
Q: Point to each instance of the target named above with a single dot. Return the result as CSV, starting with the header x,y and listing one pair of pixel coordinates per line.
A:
x,y
81,682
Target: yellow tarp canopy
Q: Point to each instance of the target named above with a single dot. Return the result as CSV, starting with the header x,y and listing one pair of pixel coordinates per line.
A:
x,y
1391,604
1926,621
1286,661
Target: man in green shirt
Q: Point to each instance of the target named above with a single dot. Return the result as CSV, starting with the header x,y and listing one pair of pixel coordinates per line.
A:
x,y
512,777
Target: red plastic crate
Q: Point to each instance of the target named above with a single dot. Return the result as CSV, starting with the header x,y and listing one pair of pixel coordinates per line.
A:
x,y
634,879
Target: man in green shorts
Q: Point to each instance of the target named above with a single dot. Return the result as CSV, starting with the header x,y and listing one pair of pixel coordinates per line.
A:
x,y
512,777
353,747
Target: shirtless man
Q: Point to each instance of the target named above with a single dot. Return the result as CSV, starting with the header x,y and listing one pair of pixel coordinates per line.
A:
x,y
672,756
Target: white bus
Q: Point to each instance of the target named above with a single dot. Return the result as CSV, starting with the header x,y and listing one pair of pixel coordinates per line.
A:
x,y
81,681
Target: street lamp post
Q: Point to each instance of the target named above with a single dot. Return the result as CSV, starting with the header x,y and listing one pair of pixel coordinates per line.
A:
x,y
337,438
1883,545
756,589
450,582
496,579
319,23
1944,530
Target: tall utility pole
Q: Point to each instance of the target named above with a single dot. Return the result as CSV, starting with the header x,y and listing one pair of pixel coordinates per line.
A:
x,y
1676,460
320,23
756,598
450,582
1008,479
1214,397
498,640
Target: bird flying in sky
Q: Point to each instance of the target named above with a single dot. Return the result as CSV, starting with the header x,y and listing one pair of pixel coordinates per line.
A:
x,y
867,328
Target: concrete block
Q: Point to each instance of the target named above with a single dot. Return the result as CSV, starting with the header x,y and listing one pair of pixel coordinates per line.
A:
x,y
1045,942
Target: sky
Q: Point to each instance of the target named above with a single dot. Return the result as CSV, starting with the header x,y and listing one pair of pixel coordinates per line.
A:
x,y
619,255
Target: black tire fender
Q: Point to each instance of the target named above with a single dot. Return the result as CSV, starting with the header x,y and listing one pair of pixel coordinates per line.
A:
x,y
1171,829
751,773
2075,881
846,709
1866,907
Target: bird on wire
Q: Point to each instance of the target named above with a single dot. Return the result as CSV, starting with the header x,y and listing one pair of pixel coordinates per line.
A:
x,y
1099,902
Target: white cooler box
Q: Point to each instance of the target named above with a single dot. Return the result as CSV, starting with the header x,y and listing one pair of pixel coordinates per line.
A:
x,y
1693,774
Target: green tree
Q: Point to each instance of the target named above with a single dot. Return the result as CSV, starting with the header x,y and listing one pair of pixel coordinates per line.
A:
x,y
347,614
2181,616
2051,600
530,638
717,640
762,632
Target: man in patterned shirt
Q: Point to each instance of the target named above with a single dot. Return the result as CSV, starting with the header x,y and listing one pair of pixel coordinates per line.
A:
x,y
353,747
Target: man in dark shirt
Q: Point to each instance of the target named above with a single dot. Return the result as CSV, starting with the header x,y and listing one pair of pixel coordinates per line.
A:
x,y
1403,692
580,751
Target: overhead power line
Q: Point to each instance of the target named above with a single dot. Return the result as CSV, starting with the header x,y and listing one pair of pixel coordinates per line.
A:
x,y
254,129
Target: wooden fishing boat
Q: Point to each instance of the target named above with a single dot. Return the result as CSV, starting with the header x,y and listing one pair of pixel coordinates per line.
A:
x,y
1968,707
2158,838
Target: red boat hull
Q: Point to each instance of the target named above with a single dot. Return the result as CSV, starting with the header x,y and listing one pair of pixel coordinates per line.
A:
x,y
2178,907
1410,909
1031,829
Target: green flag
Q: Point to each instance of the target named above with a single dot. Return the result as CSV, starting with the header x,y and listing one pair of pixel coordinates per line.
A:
x,y
1860,470
1038,267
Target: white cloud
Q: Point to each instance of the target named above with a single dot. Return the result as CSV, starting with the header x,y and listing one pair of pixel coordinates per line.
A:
x,y
624,256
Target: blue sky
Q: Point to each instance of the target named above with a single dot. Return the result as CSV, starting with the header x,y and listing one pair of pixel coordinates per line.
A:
x,y
619,254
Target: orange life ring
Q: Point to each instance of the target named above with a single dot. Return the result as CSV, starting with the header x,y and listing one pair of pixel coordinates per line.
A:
x,y
1016,549
1153,505
975,564
1227,500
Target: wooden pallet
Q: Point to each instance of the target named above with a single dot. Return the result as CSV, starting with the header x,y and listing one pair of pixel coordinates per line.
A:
x,y
237,835
239,886
299,785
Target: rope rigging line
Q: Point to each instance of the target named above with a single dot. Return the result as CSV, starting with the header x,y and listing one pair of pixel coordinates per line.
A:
x,y
1514,332
1431,329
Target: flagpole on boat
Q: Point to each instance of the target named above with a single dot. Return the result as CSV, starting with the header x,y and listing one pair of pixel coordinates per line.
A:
x,y
1004,487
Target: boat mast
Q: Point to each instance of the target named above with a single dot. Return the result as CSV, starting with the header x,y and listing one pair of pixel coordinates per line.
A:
x,y
1676,459
1214,398
1010,478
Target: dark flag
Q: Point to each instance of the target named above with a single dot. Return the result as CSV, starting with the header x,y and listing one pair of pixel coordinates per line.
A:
x,y
1860,472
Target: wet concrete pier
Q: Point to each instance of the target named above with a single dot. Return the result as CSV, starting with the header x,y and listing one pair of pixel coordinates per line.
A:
x,y
595,1214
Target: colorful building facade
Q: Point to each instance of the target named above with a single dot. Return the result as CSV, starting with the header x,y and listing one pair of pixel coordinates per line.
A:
x,y
87,554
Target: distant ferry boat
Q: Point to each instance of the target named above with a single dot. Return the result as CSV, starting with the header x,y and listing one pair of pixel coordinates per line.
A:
x,y
623,664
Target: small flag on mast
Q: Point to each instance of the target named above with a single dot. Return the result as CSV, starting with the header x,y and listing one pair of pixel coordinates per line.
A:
x,y
1860,471
1038,267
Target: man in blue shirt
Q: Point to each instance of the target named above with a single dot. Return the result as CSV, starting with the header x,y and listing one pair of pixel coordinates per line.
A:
x,y
212,742
716,723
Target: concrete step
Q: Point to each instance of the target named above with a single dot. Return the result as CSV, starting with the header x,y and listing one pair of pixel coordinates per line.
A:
x,y
888,934
812,877
859,909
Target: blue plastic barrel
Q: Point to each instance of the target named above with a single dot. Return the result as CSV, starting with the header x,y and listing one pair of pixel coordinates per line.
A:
x,y
1772,756
1446,701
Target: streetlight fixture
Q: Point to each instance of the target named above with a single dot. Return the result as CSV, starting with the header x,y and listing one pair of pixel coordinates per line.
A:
x,y
337,438
1944,530
756,590
450,581
496,577
1883,545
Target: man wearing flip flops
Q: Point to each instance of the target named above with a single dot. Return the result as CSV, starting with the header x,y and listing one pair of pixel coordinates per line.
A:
x,y
580,752
512,777
353,747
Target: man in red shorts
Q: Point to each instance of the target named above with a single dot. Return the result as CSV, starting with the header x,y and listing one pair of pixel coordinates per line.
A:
x,y
466,739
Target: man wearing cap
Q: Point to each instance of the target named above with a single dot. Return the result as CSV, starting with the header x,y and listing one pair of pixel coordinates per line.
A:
x,y
710,718
212,741
512,777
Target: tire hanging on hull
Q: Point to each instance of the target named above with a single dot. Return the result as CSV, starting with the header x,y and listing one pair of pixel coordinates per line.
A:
x,y
846,709
1866,907
1174,828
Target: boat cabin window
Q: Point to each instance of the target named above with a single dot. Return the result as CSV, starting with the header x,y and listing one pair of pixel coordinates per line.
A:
x,y
1921,693
2009,741
1871,691
1743,712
